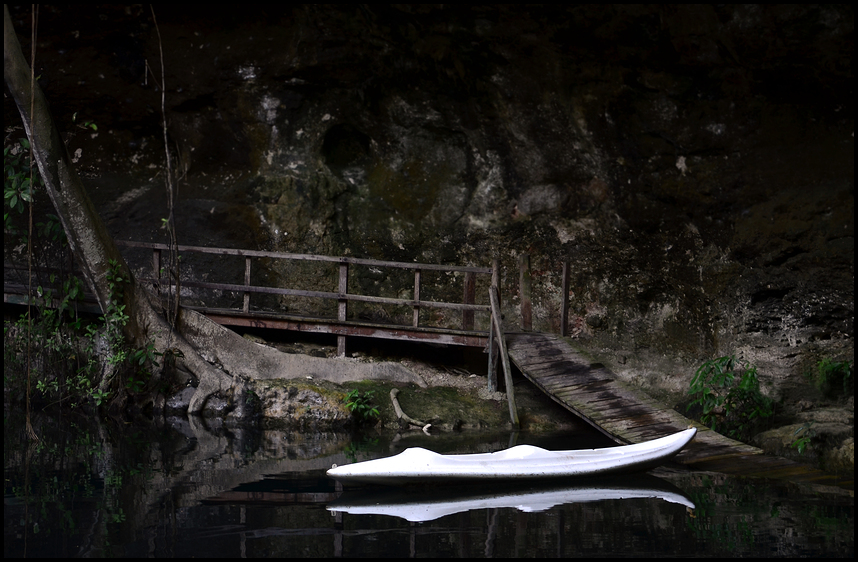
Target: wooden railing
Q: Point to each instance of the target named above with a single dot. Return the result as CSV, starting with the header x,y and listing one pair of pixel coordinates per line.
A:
x,y
342,294
494,334
525,295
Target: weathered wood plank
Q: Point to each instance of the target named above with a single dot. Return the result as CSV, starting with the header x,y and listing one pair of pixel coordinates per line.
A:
x,y
535,359
532,357
328,295
551,373
270,320
537,341
306,257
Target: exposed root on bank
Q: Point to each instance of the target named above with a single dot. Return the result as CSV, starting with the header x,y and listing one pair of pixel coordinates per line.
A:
x,y
402,416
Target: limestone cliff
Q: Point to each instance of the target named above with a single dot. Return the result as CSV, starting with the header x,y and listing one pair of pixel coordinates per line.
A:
x,y
695,163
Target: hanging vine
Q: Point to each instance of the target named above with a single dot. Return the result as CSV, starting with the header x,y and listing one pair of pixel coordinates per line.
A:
x,y
172,265
31,433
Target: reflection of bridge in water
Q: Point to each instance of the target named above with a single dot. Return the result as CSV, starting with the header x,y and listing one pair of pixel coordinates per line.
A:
x,y
624,413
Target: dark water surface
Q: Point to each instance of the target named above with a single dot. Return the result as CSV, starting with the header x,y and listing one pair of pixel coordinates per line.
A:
x,y
188,490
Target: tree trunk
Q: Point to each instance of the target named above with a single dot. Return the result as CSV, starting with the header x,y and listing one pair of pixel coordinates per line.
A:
x,y
86,233
91,243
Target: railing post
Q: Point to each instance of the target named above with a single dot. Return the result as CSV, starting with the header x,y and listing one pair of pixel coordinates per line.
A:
x,y
416,318
564,307
469,297
493,349
493,365
156,265
496,278
246,306
342,306
507,373
525,293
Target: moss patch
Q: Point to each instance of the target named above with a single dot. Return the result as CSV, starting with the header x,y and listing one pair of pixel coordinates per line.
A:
x,y
450,409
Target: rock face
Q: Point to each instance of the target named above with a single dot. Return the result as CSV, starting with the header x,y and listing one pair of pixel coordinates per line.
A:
x,y
305,408
694,163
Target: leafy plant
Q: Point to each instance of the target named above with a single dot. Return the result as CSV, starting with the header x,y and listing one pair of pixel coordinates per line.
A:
x,y
360,405
17,185
66,368
355,447
135,385
728,391
52,229
833,378
115,317
807,433
85,124
140,359
70,370
252,399
99,396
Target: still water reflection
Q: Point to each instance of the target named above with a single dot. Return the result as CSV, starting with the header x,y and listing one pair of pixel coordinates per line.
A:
x,y
91,489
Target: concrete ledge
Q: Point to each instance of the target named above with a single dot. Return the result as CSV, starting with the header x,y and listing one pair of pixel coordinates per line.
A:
x,y
238,356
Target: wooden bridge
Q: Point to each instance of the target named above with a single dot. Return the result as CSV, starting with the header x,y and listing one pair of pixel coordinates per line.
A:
x,y
589,390
343,324
628,415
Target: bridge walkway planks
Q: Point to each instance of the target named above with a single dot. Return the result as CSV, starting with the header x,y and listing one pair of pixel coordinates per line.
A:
x,y
628,415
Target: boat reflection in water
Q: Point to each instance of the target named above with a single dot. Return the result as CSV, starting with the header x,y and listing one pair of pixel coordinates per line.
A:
x,y
427,503
525,477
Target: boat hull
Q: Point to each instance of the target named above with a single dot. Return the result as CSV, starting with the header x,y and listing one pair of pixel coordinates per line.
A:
x,y
524,462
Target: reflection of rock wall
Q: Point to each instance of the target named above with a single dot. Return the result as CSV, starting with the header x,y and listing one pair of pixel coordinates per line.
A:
x,y
694,163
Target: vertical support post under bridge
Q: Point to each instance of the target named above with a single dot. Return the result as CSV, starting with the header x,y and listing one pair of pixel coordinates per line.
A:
x,y
415,321
525,293
342,306
246,306
469,297
564,307
493,350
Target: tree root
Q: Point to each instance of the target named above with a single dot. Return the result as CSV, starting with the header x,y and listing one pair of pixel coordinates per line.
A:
x,y
164,337
405,417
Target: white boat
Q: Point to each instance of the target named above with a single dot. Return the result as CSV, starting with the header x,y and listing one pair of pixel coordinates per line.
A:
x,y
434,503
524,462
